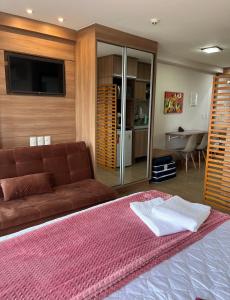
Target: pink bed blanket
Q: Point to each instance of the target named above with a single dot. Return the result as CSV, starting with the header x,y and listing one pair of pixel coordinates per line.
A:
x,y
89,255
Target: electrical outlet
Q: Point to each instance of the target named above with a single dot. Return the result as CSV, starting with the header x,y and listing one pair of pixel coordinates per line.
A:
x,y
47,139
33,141
40,140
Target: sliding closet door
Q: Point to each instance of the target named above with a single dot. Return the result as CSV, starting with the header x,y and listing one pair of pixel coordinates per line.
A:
x,y
108,114
217,179
123,115
137,114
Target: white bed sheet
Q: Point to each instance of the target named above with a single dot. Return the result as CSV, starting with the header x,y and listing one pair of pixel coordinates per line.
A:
x,y
201,270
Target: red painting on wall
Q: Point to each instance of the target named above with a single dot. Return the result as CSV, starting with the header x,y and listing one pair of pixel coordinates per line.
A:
x,y
173,102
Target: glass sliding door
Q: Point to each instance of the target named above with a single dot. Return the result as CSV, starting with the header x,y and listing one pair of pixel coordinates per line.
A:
x,y
137,115
124,93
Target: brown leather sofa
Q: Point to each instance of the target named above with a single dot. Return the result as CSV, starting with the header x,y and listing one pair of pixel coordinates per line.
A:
x,y
74,186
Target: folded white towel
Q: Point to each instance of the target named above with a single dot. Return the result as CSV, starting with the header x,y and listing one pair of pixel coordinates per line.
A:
x,y
185,214
144,211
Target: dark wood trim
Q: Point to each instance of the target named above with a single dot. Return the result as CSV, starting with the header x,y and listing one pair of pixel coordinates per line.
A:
x,y
120,38
114,36
39,27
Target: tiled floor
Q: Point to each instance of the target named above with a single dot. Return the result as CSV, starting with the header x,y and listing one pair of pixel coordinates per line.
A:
x,y
133,173
189,186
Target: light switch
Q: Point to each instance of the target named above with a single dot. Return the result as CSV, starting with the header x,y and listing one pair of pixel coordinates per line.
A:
x,y
47,139
40,140
33,141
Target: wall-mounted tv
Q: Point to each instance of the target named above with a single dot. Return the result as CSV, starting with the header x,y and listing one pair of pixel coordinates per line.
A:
x,y
27,74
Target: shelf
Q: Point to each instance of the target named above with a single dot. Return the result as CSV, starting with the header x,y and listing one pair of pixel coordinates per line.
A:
x,y
128,76
143,80
132,77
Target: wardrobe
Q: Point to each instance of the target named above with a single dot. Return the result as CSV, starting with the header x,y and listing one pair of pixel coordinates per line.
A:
x,y
115,88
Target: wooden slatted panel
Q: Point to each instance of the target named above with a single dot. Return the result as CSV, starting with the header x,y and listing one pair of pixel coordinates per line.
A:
x,y
217,176
106,146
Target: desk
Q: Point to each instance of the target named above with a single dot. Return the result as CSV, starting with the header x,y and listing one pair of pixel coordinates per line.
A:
x,y
176,139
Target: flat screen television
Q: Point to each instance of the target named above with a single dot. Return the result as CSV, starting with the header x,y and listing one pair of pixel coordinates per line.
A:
x,y
27,74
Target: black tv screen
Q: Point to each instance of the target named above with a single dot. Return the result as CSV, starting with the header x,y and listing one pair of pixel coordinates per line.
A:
x,y
26,74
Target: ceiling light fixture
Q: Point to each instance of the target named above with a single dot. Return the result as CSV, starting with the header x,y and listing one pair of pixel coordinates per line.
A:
x,y
213,49
60,19
29,11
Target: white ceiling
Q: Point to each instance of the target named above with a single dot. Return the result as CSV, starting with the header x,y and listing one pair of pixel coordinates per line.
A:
x,y
185,25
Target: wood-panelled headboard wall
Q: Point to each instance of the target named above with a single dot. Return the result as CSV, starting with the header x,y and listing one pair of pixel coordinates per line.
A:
x,y
22,116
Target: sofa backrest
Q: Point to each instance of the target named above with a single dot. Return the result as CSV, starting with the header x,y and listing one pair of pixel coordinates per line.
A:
x,y
67,163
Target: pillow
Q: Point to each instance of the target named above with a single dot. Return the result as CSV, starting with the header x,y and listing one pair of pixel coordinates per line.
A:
x,y
18,187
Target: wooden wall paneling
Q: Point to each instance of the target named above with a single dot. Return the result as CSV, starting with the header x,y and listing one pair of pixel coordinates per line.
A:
x,y
18,42
22,117
70,79
105,80
105,69
140,90
2,74
106,126
217,176
26,24
143,71
141,143
105,66
132,66
117,65
86,83
23,141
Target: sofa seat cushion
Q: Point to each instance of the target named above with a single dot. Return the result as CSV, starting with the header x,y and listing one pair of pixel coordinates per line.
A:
x,y
65,198
85,193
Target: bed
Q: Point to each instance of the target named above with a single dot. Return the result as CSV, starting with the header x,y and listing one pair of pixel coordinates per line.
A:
x,y
199,270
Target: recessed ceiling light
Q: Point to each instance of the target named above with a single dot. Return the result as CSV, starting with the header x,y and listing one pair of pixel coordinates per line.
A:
x,y
154,21
213,49
60,19
29,11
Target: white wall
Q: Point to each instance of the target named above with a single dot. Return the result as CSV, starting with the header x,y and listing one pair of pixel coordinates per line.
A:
x,y
179,79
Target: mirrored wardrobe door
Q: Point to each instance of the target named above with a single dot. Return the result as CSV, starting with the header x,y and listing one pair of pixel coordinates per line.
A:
x,y
137,115
108,114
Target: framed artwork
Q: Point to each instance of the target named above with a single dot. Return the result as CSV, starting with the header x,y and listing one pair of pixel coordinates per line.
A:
x,y
173,102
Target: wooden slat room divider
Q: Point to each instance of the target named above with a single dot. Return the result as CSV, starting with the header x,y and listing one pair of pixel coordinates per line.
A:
x,y
106,119
217,176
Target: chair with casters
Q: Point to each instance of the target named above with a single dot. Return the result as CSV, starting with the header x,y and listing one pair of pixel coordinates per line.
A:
x,y
201,147
188,150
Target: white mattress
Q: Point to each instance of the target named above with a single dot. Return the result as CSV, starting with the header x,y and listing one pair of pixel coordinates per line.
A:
x,y
201,270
